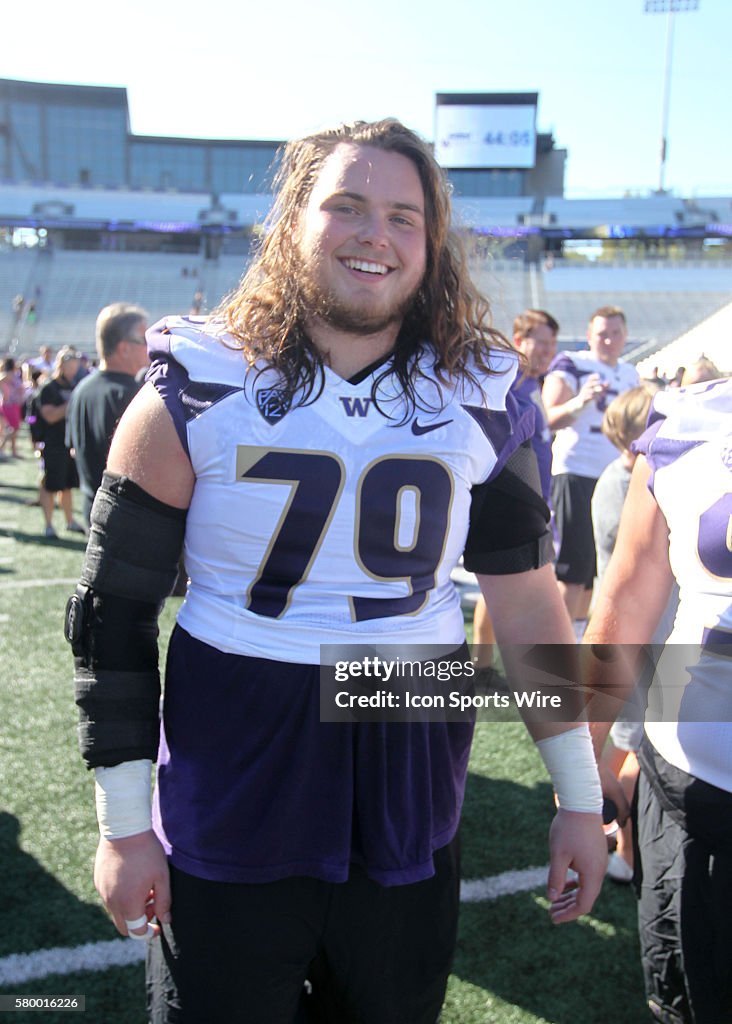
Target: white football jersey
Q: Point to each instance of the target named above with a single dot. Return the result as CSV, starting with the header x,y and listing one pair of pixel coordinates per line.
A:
x,y
582,448
331,522
689,447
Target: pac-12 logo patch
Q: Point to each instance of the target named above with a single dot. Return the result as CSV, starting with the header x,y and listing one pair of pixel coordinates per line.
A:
x,y
273,403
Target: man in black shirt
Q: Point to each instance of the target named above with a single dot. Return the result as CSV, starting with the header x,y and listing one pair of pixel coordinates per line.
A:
x,y
101,398
59,470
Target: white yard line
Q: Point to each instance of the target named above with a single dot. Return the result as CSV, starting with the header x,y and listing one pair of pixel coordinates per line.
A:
x,y
19,968
506,884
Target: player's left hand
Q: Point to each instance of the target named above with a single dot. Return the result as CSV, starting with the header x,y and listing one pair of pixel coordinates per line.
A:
x,y
576,842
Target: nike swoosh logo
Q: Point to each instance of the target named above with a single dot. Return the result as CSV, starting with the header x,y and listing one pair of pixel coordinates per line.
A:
x,y
418,429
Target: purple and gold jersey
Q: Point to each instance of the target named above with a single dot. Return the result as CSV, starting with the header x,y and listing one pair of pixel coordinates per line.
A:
x,y
688,445
334,522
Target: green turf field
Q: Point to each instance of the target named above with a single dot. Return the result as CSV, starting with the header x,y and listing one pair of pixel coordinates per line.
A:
x,y
512,965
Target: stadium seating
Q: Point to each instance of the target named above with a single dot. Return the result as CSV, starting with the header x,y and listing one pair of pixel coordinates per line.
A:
x,y
711,338
662,300
97,204
494,212
633,212
76,285
141,206
16,271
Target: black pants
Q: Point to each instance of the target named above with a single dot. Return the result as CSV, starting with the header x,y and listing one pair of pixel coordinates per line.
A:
x,y
684,839
572,503
240,954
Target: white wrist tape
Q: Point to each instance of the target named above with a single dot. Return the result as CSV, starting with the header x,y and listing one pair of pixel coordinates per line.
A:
x,y
123,799
570,761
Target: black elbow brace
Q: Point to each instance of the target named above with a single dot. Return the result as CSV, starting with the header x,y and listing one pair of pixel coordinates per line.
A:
x,y
130,567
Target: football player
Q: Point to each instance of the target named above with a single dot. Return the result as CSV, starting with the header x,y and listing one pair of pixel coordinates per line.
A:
x,y
577,390
676,524
328,444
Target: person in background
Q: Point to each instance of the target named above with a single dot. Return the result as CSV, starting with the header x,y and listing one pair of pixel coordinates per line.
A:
x,y
576,393
701,370
675,525
535,337
85,368
34,381
59,474
45,360
97,403
12,398
624,421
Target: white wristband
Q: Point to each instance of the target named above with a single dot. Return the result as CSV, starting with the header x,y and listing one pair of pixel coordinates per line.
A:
x,y
570,761
123,799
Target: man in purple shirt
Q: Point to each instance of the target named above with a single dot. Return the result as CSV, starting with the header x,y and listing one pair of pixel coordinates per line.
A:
x,y
535,336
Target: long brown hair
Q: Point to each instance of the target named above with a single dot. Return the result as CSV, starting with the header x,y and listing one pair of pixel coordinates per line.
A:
x,y
265,314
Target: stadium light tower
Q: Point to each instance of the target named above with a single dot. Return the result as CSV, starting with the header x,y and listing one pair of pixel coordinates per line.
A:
x,y
668,7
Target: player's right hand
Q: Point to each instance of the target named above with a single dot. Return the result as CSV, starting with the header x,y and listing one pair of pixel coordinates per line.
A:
x,y
592,388
612,790
131,875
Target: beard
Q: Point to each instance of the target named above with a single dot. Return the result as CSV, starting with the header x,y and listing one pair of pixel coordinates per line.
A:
x,y
352,317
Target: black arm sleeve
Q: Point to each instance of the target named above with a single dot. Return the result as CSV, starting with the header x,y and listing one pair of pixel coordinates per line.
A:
x,y
111,621
509,519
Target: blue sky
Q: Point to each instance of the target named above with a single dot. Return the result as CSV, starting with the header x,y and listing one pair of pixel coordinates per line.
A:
x,y
282,68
